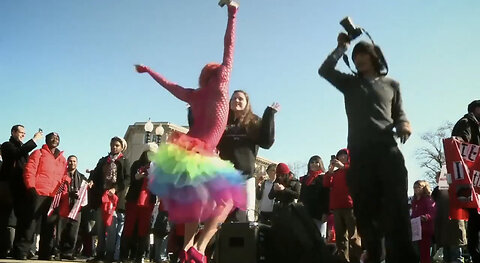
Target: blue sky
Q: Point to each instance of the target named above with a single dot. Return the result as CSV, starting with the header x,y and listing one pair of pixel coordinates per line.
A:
x,y
67,66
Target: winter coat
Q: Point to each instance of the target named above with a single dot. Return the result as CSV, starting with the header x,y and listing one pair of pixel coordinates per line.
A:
x,y
425,206
339,194
241,148
121,186
136,185
15,156
287,195
44,171
315,197
448,232
468,128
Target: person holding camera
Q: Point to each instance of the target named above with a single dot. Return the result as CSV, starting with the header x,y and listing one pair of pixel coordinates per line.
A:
x,y
377,177
12,186
286,188
139,207
349,248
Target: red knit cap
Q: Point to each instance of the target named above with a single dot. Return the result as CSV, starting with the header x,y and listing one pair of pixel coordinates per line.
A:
x,y
282,168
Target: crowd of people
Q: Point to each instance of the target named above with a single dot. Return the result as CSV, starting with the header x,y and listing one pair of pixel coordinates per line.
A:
x,y
182,190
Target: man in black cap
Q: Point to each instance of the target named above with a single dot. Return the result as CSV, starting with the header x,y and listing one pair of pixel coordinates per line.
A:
x,y
377,178
467,129
15,155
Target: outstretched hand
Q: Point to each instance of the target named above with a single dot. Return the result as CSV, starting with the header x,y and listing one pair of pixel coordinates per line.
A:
x,y
141,68
275,106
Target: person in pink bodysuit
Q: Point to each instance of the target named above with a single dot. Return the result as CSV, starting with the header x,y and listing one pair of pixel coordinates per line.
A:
x,y
209,104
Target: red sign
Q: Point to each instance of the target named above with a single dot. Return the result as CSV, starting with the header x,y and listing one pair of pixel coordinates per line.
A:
x,y
463,167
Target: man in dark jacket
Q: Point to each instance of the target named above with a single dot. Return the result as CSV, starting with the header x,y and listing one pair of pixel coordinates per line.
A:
x,y
377,177
468,130
15,155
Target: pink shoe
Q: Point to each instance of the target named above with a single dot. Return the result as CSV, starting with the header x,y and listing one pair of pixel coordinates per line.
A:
x,y
195,256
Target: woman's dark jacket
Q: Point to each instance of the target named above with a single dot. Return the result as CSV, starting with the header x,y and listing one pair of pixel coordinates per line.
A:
x,y
136,185
241,148
287,195
121,187
315,198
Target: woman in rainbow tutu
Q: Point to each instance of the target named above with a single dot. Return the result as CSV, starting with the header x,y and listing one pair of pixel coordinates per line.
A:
x,y
187,174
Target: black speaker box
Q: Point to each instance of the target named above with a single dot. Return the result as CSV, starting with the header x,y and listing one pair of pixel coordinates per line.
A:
x,y
241,243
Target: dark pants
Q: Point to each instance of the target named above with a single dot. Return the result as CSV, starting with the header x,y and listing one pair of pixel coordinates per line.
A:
x,y
265,217
67,232
6,211
23,206
377,180
473,231
137,221
41,204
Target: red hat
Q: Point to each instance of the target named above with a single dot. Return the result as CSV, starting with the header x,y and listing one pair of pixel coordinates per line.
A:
x,y
282,168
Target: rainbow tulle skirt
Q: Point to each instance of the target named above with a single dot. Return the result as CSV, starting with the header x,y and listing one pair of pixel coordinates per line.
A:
x,y
192,181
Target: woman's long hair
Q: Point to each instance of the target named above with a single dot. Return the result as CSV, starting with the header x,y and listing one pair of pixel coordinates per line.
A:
x,y
315,158
248,119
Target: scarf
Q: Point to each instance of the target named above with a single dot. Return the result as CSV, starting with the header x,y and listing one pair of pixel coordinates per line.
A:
x,y
310,177
111,171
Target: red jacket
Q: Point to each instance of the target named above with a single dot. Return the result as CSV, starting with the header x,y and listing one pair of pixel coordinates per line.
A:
x,y
44,172
339,194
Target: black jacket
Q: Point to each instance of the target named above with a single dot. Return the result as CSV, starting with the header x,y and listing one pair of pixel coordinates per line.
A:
x,y
373,108
15,156
315,198
240,148
287,195
468,128
121,187
136,185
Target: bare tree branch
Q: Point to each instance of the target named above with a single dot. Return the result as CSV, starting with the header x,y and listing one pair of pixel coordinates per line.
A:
x,y
430,155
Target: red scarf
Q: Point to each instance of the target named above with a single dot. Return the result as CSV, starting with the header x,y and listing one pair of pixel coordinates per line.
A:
x,y
310,177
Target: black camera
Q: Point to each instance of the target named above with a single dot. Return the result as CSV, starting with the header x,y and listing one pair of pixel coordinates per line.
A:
x,y
352,30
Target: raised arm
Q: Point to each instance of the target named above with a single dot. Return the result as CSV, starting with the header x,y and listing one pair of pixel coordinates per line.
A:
x,y
229,40
266,137
178,91
327,69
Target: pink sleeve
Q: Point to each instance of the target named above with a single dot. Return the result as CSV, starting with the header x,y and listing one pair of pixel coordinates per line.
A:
x,y
178,91
229,41
30,172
